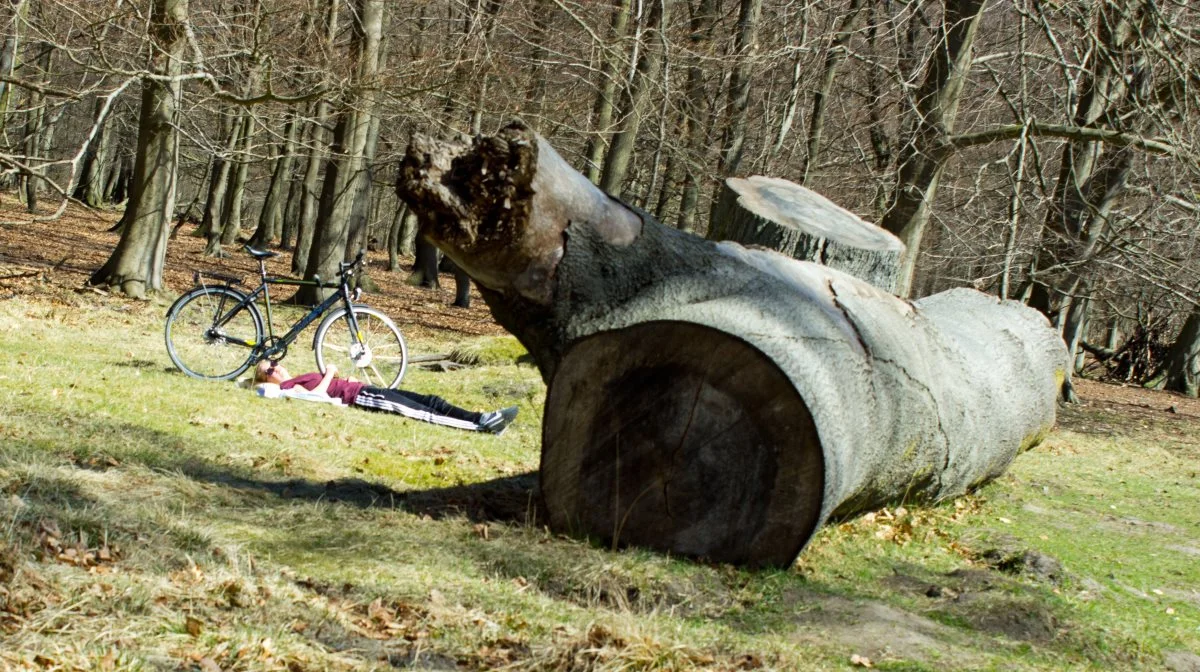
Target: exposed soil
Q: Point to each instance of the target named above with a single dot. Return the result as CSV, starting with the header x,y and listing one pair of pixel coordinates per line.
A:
x,y
65,252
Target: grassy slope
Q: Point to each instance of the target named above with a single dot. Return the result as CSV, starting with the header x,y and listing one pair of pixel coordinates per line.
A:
x,y
154,521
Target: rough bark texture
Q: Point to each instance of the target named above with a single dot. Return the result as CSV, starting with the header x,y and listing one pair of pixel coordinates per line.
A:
x,y
136,265
803,224
936,104
1183,361
717,401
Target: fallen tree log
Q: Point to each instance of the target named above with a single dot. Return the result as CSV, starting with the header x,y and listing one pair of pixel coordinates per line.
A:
x,y
713,400
802,224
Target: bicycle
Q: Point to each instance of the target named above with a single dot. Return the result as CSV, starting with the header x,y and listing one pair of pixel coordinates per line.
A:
x,y
216,331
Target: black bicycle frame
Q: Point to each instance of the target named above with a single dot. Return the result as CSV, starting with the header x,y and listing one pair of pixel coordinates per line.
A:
x,y
287,339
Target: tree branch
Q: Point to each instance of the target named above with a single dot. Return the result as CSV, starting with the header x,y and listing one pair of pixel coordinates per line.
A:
x,y
1013,131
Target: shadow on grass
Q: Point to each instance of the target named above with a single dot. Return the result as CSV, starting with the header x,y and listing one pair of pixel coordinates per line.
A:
x,y
86,444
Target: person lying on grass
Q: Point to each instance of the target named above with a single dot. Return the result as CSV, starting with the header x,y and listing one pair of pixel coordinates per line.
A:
x,y
425,407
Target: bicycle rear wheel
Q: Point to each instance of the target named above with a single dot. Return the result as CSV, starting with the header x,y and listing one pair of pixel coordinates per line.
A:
x,y
379,360
209,335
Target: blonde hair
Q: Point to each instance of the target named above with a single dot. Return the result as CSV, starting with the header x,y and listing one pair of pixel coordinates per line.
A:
x,y
260,371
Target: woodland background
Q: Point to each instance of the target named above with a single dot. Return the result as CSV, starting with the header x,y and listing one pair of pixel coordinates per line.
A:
x,y
1038,150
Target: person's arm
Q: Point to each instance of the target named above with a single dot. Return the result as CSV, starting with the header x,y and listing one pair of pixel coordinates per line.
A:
x,y
323,386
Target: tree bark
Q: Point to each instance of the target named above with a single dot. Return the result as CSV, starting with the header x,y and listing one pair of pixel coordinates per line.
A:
x,y
835,54
1183,360
739,87
210,223
345,168
291,212
317,151
36,117
715,401
8,55
936,105
136,265
270,218
802,224
606,94
620,154
90,187
425,265
235,192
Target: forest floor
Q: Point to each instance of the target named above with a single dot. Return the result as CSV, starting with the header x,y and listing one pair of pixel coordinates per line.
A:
x,y
153,521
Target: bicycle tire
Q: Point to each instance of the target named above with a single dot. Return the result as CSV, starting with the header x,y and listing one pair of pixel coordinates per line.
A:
x,y
201,348
381,364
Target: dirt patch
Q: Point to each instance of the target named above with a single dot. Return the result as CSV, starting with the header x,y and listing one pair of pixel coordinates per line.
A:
x,y
64,253
880,632
1123,410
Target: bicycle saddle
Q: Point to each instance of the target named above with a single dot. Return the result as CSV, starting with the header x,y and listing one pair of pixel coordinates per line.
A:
x,y
259,254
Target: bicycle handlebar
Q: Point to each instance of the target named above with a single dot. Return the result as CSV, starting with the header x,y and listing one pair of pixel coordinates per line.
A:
x,y
347,265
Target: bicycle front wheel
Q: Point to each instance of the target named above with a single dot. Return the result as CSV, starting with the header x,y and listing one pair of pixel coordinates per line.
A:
x,y
212,334
378,358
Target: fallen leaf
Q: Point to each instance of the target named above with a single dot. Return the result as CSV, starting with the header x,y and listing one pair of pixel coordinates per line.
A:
x,y
193,626
861,661
209,665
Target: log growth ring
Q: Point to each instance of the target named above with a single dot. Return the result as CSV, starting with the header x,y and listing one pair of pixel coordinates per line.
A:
x,y
683,438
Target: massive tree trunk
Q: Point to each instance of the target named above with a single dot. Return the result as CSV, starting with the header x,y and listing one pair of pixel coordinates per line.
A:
x,y
936,107
803,224
136,265
1183,360
716,401
345,168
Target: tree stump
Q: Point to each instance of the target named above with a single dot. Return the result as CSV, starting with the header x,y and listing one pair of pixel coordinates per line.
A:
x,y
718,401
803,224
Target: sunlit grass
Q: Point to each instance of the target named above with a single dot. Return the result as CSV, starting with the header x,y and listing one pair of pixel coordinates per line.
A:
x,y
263,534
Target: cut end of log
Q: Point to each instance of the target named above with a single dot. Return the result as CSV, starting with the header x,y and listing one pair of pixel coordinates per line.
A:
x,y
473,198
683,438
802,224
792,205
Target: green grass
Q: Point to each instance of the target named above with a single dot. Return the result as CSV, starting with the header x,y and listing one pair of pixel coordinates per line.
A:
x,y
271,534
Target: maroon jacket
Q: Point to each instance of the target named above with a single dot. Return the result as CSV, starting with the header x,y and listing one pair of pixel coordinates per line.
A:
x,y
338,387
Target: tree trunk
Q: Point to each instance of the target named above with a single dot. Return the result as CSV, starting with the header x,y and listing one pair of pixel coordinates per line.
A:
x,y
802,224
90,187
936,107
270,218
317,151
835,54
696,108
1183,360
620,154
36,117
8,55
291,213
210,223
606,95
394,240
235,191
425,266
715,401
347,156
136,265
739,87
